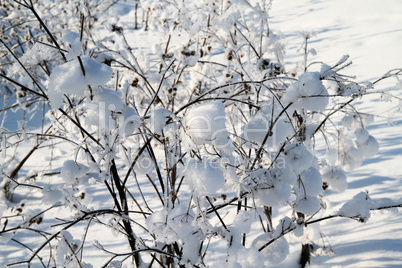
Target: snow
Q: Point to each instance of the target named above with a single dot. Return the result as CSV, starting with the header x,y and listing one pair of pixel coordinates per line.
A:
x,y
205,177
297,157
368,31
51,195
159,118
242,222
66,249
72,172
275,253
358,207
205,123
254,132
336,178
68,79
129,121
308,205
369,147
310,182
304,93
72,40
272,194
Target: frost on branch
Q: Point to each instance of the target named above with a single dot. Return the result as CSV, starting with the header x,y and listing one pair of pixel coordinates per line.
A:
x,y
193,145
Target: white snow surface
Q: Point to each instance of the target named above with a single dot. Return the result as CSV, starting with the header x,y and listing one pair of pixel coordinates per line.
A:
x,y
370,32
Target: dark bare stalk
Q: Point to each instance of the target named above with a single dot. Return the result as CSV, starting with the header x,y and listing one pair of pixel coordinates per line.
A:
x,y
31,7
135,16
124,208
22,162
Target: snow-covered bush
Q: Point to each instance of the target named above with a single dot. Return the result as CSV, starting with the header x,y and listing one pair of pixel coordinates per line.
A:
x,y
176,134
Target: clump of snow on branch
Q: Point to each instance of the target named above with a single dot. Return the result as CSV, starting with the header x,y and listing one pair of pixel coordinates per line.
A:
x,y
72,78
205,124
358,207
204,177
202,139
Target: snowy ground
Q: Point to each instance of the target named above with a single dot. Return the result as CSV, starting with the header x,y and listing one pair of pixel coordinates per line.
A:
x,y
370,32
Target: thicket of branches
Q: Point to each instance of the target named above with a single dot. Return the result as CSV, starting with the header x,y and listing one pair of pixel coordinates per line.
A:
x,y
186,150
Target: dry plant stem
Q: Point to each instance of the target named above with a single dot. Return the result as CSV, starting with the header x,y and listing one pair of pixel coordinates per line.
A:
x,y
268,134
68,226
159,88
124,209
81,128
42,94
248,97
31,7
216,212
25,246
156,189
22,87
22,162
122,206
323,219
135,16
330,114
388,75
145,146
200,98
156,165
